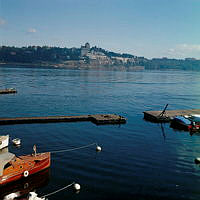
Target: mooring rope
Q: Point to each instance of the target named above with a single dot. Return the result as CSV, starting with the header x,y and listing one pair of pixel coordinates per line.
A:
x,y
58,190
76,148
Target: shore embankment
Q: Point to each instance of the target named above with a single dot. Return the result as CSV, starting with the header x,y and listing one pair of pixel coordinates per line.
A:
x,y
75,66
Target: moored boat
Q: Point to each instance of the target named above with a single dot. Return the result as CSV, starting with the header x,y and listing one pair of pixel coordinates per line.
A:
x,y
186,123
13,167
16,141
21,188
4,140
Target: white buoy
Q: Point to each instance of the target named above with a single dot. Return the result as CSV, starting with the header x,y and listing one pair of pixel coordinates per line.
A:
x,y
197,160
77,186
98,148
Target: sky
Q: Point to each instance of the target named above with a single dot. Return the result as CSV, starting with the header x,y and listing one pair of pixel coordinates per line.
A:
x,y
149,28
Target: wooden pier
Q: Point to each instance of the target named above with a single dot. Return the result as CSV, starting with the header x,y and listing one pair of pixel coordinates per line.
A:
x,y
168,115
8,91
99,119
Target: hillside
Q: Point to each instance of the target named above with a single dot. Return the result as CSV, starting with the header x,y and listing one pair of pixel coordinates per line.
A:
x,y
86,57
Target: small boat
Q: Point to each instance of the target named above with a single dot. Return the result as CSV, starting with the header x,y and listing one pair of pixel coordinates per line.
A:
x,y
16,141
13,167
186,123
4,140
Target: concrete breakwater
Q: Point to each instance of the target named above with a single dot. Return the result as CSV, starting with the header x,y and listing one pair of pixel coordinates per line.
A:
x,y
99,119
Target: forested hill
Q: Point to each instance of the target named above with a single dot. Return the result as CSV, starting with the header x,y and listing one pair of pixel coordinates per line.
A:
x,y
86,56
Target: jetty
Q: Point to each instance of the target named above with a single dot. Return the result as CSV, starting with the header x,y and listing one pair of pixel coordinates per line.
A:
x,y
8,91
98,119
167,115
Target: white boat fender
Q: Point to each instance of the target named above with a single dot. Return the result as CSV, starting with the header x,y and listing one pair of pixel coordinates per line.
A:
x,y
197,160
77,186
98,148
26,173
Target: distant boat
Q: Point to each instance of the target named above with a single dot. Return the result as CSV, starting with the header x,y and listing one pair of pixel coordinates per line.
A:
x,y
16,141
4,140
8,91
13,167
187,123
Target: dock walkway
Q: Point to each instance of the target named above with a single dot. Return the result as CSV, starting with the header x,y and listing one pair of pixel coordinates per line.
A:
x,y
155,116
98,119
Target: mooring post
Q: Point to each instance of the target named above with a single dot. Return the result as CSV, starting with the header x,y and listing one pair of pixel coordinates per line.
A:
x,y
163,112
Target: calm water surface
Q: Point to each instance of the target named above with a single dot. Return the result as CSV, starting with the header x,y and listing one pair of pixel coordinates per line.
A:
x,y
140,160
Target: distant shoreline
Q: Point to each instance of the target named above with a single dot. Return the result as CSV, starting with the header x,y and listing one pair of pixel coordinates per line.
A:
x,y
75,67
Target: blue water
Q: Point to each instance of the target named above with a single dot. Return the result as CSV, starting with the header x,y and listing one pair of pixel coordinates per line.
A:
x,y
138,160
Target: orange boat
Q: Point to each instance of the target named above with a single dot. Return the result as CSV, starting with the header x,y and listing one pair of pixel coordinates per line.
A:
x,y
13,167
20,189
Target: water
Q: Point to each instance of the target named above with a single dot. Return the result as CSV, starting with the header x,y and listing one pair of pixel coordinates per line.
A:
x,y
138,161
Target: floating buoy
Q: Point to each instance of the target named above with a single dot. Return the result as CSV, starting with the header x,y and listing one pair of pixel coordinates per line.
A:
x,y
77,186
197,160
98,148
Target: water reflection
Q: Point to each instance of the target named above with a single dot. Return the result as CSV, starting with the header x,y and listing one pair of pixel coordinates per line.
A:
x,y
163,130
21,188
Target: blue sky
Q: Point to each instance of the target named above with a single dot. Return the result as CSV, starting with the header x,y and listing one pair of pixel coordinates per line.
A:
x,y
149,28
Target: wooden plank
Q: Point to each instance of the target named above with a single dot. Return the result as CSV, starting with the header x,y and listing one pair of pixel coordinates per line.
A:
x,y
168,115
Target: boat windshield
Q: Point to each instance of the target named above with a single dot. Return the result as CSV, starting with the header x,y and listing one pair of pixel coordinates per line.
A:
x,y
4,159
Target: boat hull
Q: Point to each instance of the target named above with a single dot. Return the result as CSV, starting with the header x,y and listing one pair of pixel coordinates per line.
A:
x,y
34,166
25,185
186,124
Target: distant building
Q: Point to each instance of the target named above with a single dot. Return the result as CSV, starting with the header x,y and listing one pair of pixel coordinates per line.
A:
x,y
85,49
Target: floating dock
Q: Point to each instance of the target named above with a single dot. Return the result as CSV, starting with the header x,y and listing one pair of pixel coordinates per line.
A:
x,y
168,115
99,119
8,91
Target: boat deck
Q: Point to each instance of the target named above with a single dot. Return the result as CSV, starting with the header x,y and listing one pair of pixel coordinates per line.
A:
x,y
98,119
168,115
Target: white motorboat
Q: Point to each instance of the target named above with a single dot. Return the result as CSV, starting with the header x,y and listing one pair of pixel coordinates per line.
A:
x,y
16,141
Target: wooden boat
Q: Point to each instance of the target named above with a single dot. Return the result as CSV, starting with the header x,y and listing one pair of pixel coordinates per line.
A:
x,y
8,91
13,167
20,189
4,140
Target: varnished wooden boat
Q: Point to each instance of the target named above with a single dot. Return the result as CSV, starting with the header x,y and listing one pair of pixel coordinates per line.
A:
x,y
21,188
13,167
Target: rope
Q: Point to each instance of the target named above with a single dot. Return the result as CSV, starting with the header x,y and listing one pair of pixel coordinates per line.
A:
x,y
65,150
58,190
